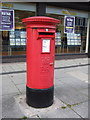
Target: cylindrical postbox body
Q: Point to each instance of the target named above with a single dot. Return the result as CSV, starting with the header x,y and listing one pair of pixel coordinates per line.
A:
x,y
40,60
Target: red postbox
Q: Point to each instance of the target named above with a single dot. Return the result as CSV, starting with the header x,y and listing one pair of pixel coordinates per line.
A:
x,y
40,60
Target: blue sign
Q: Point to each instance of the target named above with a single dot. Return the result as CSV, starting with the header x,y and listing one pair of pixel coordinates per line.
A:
x,y
6,20
69,24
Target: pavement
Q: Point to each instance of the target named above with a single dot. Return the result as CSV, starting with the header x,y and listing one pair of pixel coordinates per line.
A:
x,y
70,94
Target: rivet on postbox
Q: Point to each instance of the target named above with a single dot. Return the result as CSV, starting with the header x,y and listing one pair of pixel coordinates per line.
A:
x,y
47,29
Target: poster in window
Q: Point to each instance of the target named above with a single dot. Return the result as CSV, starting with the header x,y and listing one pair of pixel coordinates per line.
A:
x,y
86,22
69,42
17,41
58,38
11,34
6,20
12,42
76,42
17,34
69,24
78,36
23,41
79,42
74,38
23,34
72,42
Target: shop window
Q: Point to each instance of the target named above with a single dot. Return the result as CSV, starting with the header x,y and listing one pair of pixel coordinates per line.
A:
x,y
70,42
14,42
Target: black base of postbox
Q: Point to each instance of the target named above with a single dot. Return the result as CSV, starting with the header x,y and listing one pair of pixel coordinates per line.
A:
x,y
39,98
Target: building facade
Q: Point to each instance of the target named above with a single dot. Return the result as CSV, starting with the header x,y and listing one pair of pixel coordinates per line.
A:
x,y
14,42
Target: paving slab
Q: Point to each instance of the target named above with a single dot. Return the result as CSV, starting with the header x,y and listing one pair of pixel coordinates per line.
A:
x,y
84,69
71,69
69,94
73,82
85,91
88,109
7,68
1,99
15,67
9,108
64,63
30,111
0,84
81,109
8,86
71,62
81,60
21,88
18,78
59,113
0,112
0,107
60,74
22,65
3,70
79,75
35,116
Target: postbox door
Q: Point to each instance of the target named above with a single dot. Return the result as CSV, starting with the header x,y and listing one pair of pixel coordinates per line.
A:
x,y
40,59
47,62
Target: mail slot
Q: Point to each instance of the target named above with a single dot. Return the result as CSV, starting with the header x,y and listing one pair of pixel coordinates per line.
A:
x,y
40,60
45,33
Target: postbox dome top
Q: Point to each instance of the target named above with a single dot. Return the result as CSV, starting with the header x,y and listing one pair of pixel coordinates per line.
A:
x,y
41,19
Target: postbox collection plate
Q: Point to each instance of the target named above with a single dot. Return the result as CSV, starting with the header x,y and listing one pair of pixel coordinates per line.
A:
x,y
45,45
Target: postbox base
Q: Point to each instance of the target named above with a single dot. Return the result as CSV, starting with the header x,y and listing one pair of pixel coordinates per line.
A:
x,y
39,98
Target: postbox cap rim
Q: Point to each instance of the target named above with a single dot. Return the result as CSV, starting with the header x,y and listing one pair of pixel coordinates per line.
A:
x,y
41,19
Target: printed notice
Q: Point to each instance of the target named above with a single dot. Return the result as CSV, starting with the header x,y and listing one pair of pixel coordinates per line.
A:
x,y
23,41
6,20
73,39
12,41
69,24
17,41
23,34
45,45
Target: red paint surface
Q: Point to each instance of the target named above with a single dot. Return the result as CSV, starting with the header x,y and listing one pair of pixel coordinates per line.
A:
x,y
40,66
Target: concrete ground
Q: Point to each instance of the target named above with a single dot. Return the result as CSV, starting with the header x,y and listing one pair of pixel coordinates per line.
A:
x,y
71,91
